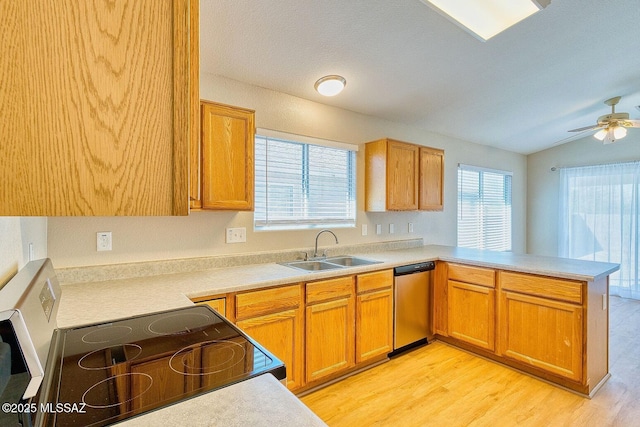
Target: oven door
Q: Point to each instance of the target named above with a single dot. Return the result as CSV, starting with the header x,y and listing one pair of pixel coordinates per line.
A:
x,y
20,373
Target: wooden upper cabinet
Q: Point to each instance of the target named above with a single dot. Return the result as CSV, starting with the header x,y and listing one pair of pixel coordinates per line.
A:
x,y
97,106
227,158
400,176
431,179
391,176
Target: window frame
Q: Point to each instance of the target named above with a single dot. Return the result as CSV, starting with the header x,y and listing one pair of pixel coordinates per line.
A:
x,y
262,222
485,220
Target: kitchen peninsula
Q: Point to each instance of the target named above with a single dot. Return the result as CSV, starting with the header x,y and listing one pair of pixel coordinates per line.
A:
x,y
518,291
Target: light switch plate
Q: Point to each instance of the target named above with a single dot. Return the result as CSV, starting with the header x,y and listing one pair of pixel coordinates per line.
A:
x,y
103,241
392,228
378,228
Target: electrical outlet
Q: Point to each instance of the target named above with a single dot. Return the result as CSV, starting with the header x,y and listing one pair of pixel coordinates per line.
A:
x,y
236,235
103,241
364,229
410,227
378,228
392,228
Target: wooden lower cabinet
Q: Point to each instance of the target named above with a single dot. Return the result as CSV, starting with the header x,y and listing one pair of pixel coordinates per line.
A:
x,y
330,327
551,327
471,314
218,304
274,318
543,333
374,315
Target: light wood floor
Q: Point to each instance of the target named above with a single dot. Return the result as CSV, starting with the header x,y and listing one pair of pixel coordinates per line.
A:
x,y
438,385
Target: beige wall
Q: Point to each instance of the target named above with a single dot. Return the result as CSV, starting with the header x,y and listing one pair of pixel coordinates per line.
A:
x,y
15,235
72,241
543,184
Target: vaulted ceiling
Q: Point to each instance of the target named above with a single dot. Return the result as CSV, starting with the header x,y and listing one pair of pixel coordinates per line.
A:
x,y
520,91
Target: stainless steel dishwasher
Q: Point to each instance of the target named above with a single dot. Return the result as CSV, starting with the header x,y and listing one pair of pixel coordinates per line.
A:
x,y
411,305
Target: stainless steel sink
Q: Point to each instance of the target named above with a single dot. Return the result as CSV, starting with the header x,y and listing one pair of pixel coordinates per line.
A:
x,y
312,265
332,263
351,261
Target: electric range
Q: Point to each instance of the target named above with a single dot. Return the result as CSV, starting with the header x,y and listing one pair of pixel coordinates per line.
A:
x,y
104,373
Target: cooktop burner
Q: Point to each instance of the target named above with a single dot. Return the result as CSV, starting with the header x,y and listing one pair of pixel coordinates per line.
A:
x,y
105,373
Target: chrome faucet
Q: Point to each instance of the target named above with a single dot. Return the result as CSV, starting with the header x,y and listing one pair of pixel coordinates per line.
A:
x,y
315,252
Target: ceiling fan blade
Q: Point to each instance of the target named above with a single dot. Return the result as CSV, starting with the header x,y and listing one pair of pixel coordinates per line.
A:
x,y
585,128
631,123
581,133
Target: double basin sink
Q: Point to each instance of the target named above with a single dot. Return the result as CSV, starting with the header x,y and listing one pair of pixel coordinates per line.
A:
x,y
332,263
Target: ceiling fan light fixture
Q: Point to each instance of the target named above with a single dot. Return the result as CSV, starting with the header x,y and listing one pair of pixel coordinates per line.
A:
x,y
619,132
484,19
610,134
330,85
600,134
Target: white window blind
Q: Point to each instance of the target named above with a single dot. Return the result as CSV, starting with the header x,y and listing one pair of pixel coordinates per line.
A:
x,y
301,185
484,208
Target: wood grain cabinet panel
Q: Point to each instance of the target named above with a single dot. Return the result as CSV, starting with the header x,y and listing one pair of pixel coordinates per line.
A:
x,y
391,176
227,158
543,333
275,319
374,324
401,176
330,327
97,107
431,182
218,304
282,334
471,314
374,315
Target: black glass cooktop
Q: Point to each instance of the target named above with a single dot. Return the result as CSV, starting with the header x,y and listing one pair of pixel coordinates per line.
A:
x,y
104,373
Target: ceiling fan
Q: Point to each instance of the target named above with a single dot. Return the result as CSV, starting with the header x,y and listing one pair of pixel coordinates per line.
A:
x,y
612,126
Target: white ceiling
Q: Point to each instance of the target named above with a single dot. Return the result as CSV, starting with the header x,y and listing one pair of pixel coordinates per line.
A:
x,y
520,91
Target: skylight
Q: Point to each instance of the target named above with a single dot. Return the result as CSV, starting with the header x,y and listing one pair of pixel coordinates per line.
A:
x,y
486,18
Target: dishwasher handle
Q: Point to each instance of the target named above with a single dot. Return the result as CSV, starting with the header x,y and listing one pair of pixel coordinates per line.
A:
x,y
414,268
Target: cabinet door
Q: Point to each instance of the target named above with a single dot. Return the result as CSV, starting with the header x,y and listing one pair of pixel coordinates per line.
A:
x,y
471,310
543,333
431,179
282,334
96,107
402,176
330,337
374,324
227,157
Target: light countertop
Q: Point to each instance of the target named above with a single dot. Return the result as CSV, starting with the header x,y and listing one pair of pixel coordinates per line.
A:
x,y
93,302
258,402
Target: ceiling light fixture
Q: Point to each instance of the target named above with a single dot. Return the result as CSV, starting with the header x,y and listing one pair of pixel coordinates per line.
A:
x,y
610,134
330,85
486,18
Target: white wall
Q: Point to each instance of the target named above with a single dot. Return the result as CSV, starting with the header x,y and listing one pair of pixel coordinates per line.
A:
x,y
15,235
543,184
72,240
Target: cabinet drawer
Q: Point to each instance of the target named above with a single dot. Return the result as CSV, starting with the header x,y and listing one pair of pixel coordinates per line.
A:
x,y
469,274
329,289
373,281
267,301
547,287
218,304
